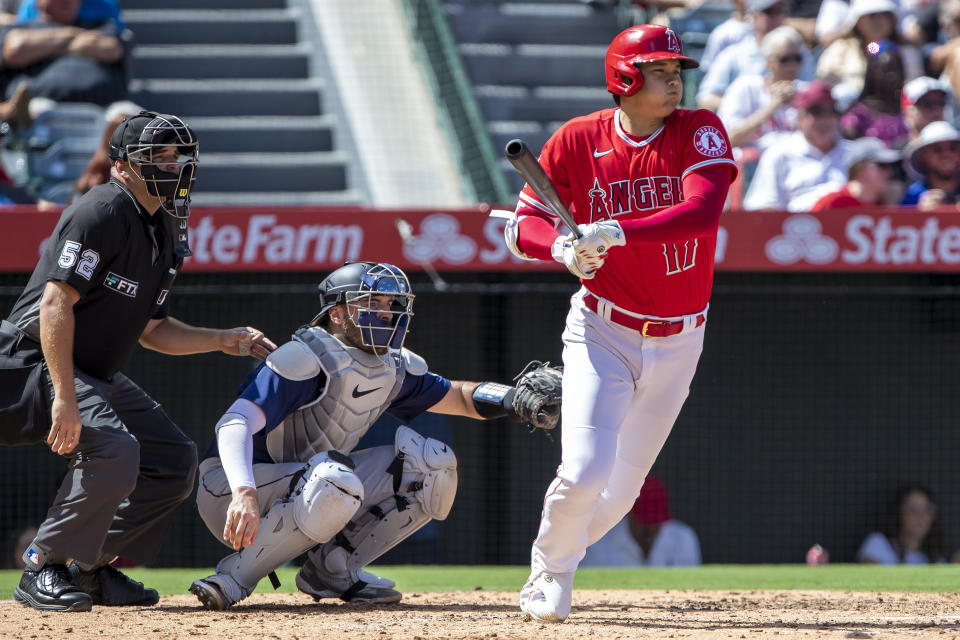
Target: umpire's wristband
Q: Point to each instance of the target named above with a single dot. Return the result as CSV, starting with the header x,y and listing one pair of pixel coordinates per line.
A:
x,y
494,400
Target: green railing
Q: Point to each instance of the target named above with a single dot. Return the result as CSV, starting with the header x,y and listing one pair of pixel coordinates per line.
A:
x,y
466,125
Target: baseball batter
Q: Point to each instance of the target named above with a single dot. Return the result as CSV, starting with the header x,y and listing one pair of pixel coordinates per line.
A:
x,y
646,183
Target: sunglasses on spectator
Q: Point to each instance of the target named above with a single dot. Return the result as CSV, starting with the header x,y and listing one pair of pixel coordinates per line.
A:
x,y
818,110
945,147
931,103
774,10
795,58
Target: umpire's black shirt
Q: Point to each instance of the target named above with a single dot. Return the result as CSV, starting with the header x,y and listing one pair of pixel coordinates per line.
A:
x,y
121,261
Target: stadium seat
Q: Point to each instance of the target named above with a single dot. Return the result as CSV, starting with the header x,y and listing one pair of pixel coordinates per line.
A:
x,y
55,150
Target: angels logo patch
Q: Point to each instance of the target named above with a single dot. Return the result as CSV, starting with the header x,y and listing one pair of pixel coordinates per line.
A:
x,y
710,142
673,42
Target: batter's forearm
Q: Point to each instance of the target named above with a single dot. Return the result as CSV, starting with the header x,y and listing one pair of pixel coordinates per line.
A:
x,y
535,237
698,215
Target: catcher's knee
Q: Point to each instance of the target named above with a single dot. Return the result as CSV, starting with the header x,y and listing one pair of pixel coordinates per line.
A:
x,y
419,485
326,496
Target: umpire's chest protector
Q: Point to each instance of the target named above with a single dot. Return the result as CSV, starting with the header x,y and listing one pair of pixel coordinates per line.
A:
x,y
359,388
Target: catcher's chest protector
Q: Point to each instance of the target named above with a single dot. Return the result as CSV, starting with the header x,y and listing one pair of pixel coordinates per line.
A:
x,y
359,389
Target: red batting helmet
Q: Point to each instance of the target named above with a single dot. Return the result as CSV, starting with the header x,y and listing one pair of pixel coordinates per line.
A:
x,y
636,45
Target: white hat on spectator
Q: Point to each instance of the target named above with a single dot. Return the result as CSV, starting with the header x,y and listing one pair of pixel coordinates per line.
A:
x,y
933,133
845,94
860,8
871,149
756,6
919,87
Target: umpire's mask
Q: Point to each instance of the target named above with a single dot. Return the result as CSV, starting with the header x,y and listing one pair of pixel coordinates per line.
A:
x,y
378,295
166,150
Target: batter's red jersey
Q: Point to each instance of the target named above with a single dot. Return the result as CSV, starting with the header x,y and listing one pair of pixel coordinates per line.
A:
x,y
602,172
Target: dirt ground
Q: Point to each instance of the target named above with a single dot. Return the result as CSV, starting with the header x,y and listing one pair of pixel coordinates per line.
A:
x,y
480,614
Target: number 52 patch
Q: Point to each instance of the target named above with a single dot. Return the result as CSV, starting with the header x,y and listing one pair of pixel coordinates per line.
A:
x,y
88,260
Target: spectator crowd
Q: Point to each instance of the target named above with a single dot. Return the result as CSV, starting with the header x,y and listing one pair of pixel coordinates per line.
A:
x,y
55,54
853,105
795,82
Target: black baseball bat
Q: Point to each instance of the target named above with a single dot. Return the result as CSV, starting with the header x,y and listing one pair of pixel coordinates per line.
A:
x,y
519,155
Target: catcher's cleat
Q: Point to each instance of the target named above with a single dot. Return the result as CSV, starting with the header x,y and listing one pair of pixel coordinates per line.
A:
x,y
218,592
349,586
51,589
109,587
546,597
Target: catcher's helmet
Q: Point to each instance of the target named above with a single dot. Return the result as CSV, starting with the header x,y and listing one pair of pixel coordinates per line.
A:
x,y
355,283
137,138
634,46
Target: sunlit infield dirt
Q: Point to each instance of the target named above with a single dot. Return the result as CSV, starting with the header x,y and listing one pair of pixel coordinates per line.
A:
x,y
481,614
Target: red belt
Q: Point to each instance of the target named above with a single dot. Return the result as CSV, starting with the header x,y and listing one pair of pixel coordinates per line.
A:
x,y
648,327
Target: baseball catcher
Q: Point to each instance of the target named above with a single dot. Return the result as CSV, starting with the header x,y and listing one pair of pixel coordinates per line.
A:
x,y
282,476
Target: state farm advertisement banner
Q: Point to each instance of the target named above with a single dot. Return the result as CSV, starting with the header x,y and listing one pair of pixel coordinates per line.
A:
x,y
321,239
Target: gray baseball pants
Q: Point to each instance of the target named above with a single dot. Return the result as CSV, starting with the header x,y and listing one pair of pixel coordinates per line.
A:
x,y
125,479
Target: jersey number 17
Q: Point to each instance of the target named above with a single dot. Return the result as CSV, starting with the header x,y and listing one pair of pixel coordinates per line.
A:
x,y
680,257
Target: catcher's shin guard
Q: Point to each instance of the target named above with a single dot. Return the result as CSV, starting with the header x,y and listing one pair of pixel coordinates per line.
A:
x,y
407,486
322,501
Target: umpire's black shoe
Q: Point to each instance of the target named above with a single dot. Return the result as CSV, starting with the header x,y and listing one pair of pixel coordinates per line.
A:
x,y
109,587
51,589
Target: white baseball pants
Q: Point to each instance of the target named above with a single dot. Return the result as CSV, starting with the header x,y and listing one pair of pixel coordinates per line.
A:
x,y
621,395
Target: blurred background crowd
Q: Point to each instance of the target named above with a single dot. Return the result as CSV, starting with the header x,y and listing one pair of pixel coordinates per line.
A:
x,y
796,82
838,104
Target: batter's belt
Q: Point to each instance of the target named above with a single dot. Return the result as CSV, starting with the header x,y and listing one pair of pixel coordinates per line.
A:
x,y
648,327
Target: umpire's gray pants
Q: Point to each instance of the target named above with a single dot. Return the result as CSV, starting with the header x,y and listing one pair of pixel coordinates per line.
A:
x,y
125,479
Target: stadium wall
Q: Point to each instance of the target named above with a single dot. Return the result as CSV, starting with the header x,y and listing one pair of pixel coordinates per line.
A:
x,y
818,394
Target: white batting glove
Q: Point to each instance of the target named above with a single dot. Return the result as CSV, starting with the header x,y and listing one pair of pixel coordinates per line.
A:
x,y
599,237
582,266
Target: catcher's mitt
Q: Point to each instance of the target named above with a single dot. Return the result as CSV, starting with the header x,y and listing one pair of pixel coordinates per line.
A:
x,y
537,398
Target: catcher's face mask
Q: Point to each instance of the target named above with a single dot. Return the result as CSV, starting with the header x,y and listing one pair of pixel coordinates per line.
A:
x,y
382,307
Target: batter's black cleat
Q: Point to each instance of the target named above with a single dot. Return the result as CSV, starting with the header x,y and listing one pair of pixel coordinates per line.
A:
x,y
51,589
108,587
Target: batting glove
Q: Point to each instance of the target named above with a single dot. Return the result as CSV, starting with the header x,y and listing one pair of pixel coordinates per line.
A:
x,y
582,266
598,237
